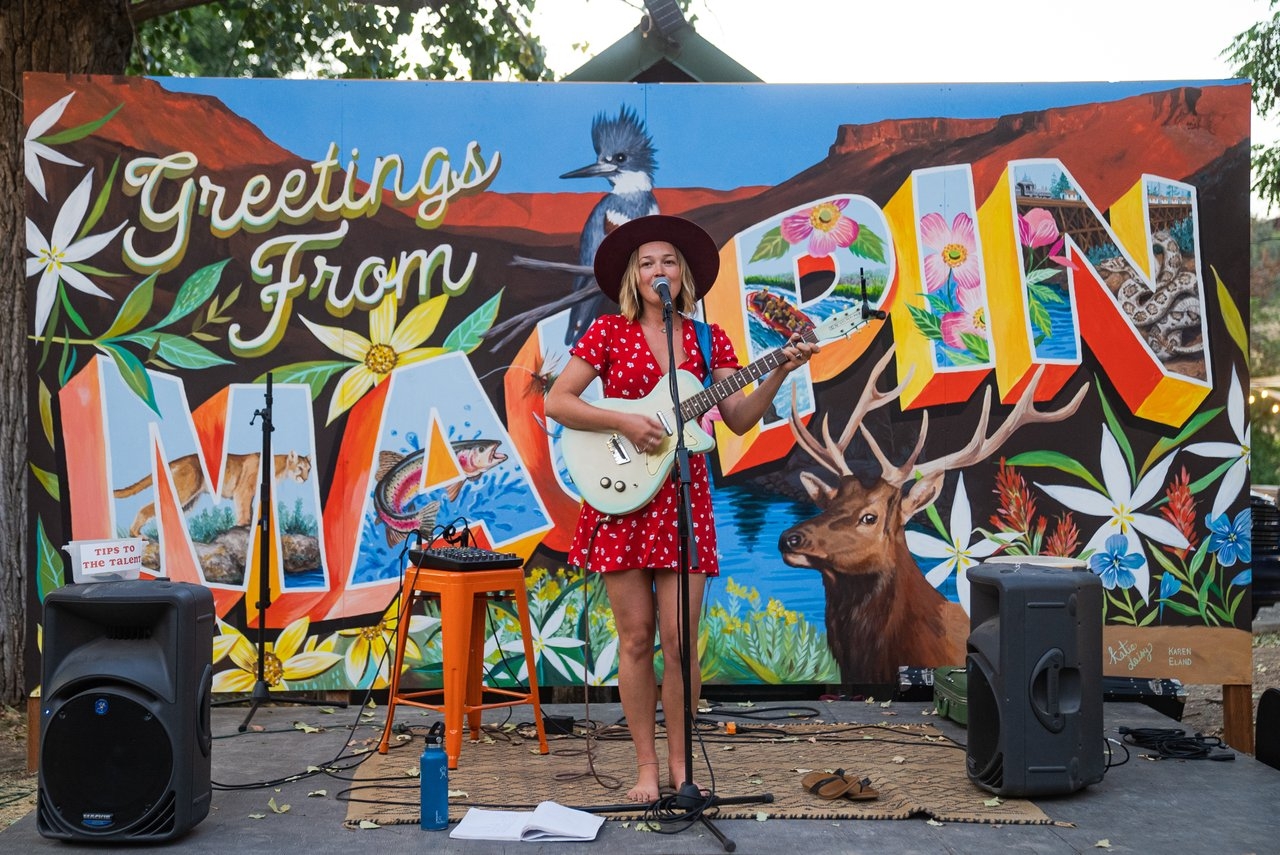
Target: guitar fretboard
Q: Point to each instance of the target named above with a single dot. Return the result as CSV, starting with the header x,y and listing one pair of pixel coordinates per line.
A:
x,y
695,405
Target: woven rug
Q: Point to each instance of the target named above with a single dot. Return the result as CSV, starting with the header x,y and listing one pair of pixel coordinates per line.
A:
x,y
918,771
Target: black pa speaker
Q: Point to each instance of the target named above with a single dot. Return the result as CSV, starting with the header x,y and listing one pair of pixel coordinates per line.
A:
x,y
124,730
1034,669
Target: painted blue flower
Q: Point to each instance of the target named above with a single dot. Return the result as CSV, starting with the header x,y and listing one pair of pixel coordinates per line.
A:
x,y
1114,563
1170,585
1231,542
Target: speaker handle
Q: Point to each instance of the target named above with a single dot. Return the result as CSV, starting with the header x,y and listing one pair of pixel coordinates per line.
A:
x,y
1046,693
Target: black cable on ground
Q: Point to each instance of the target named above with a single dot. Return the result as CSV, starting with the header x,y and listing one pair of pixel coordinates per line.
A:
x,y
1174,744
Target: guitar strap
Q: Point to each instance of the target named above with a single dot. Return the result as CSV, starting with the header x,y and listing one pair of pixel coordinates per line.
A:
x,y
704,345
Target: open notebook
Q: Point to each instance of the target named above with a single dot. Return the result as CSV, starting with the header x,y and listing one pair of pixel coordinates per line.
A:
x,y
549,821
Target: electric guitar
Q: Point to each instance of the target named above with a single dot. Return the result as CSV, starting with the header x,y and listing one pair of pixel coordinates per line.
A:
x,y
614,477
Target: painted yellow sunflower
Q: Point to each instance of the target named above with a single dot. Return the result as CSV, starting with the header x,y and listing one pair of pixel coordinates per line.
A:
x,y
376,645
293,656
388,347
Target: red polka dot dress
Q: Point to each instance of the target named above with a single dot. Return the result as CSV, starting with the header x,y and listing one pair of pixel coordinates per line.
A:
x,y
648,537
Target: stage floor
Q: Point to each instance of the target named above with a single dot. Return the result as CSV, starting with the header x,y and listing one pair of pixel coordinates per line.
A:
x,y
1145,805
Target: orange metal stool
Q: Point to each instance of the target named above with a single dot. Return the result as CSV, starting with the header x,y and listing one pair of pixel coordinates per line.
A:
x,y
464,602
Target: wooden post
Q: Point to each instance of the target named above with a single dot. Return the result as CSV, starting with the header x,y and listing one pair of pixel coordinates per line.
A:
x,y
33,731
1237,716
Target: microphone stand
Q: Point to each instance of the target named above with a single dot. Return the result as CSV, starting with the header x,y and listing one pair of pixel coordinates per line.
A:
x,y
266,469
689,797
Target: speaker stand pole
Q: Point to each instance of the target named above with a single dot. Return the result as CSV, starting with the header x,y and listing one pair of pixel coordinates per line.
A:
x,y
266,468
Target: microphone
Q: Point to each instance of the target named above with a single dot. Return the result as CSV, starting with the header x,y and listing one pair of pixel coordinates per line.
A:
x,y
663,287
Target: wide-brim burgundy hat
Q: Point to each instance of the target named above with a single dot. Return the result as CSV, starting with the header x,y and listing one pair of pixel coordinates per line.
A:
x,y
697,247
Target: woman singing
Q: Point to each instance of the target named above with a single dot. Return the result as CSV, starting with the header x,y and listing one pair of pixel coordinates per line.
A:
x,y
638,552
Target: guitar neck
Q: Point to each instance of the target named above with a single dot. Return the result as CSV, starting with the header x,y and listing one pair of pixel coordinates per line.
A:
x,y
695,405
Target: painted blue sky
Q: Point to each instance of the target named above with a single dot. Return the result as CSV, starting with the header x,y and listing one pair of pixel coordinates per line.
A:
x,y
719,136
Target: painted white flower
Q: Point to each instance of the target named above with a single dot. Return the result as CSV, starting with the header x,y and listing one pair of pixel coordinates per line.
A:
x,y
1233,480
1119,505
958,553
36,150
54,259
547,646
606,663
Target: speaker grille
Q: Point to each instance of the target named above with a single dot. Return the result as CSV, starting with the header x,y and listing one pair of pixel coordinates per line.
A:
x,y
107,765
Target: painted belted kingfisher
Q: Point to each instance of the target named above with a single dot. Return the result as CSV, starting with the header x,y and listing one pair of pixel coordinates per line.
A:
x,y
625,156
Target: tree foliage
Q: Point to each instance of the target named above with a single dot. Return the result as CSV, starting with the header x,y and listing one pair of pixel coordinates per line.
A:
x,y
1255,54
425,39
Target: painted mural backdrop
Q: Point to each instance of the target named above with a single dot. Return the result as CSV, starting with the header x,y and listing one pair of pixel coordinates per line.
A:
x,y
1060,369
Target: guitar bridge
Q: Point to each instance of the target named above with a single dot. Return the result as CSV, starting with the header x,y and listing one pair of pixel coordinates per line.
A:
x,y
618,450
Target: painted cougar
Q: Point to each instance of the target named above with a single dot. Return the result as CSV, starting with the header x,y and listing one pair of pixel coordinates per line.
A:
x,y
240,483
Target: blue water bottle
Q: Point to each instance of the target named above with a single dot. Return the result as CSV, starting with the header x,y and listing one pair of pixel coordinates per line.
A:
x,y
433,778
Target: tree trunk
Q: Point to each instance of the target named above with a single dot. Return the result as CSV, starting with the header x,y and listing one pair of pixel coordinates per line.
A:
x,y
70,37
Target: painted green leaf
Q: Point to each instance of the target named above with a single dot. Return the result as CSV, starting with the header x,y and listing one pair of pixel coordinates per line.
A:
x,y
1056,460
1044,293
66,364
48,480
1234,605
179,351
1117,432
772,245
1040,317
90,270
1231,314
1180,608
926,322
1212,478
100,203
758,668
1035,277
314,374
469,334
1165,444
132,371
45,398
962,357
134,308
938,304
49,563
198,288
868,245
1163,561
79,132
1197,560
977,345
936,519
65,302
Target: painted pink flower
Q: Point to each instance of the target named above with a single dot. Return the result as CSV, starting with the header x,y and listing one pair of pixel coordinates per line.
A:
x,y
1037,228
972,318
949,251
824,225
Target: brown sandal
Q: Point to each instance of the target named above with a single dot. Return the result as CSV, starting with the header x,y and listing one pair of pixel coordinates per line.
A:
x,y
861,791
826,785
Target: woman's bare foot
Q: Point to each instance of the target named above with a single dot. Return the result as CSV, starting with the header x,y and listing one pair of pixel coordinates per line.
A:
x,y
677,778
646,788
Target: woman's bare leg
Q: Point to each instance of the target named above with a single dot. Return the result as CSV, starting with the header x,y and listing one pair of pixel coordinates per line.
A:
x,y
631,598
667,585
